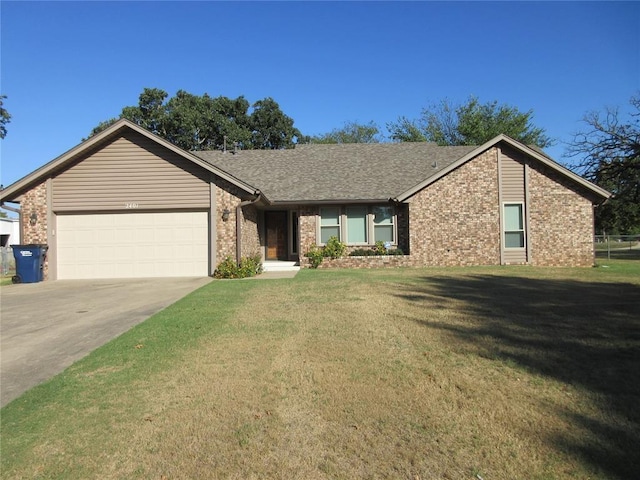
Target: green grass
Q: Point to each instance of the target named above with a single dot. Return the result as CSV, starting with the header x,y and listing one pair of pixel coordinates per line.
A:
x,y
509,372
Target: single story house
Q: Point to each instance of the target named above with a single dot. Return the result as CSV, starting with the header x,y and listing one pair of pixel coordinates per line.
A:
x,y
127,203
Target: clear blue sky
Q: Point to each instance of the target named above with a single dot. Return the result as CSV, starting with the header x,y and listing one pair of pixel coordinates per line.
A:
x,y
66,66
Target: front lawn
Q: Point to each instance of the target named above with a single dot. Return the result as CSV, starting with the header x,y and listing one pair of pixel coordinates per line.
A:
x,y
499,373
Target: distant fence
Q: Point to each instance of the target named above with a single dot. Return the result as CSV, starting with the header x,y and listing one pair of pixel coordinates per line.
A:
x,y
8,263
617,246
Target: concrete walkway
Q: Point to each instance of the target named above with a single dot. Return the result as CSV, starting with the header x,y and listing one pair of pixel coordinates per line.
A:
x,y
46,326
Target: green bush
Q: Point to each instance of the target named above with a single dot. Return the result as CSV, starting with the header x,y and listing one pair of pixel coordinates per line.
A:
x,y
375,251
334,248
315,256
249,267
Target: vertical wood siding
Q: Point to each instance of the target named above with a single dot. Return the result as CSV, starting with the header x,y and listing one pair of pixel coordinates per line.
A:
x,y
513,190
131,172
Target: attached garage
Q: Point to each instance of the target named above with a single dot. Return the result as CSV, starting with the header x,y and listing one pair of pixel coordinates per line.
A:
x,y
128,204
132,245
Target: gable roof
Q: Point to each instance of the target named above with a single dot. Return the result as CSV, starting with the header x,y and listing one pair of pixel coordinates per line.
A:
x,y
318,173
530,151
358,172
13,191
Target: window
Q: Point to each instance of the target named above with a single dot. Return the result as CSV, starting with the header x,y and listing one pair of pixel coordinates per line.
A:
x,y
329,223
356,224
382,224
513,225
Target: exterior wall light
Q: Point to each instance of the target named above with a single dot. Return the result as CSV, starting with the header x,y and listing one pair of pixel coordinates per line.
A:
x,y
33,219
225,214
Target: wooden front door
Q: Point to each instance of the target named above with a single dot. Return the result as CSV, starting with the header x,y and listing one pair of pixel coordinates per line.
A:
x,y
276,226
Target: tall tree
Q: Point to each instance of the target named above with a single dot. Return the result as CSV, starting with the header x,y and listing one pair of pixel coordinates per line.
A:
x,y
5,117
271,128
608,154
351,132
195,122
471,123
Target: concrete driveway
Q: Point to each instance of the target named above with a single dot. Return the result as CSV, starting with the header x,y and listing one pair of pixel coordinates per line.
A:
x,y
46,326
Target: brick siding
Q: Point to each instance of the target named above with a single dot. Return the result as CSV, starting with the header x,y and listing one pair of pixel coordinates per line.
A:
x,y
455,221
561,222
35,201
228,197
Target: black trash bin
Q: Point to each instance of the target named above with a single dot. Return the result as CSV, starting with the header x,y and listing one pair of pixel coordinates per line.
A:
x,y
29,263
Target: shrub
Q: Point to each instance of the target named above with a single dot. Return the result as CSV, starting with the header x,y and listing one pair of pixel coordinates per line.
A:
x,y
368,252
334,248
315,256
363,252
249,267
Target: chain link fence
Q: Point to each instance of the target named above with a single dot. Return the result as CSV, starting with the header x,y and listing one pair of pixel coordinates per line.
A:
x,y
617,246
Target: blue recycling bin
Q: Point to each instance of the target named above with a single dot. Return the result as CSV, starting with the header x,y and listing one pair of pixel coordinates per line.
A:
x,y
29,263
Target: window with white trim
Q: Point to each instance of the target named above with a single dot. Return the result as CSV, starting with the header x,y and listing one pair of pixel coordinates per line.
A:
x,y
329,223
514,225
358,224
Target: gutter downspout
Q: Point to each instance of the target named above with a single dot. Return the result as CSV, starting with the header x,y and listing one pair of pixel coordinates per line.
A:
x,y
11,209
239,225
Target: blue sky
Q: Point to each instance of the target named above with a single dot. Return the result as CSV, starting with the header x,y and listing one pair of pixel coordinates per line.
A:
x,y
66,66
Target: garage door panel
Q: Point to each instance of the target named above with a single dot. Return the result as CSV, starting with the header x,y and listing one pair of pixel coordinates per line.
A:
x,y
133,245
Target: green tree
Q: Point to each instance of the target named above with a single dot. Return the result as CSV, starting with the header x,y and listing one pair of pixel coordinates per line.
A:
x,y
271,128
195,122
471,123
608,154
351,132
5,117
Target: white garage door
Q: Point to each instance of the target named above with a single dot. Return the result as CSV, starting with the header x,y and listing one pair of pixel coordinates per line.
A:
x,y
132,245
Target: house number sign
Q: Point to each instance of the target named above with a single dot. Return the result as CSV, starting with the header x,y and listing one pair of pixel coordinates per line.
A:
x,y
131,205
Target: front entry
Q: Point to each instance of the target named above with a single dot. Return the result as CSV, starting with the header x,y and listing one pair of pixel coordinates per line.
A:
x,y
276,227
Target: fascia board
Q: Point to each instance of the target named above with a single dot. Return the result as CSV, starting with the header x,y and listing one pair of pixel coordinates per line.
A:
x,y
349,201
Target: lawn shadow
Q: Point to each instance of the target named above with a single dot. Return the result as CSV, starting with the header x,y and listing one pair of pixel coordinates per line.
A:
x,y
583,334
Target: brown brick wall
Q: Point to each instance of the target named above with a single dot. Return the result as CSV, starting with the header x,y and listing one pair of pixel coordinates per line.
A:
x,y
35,201
228,196
561,221
307,224
250,232
455,221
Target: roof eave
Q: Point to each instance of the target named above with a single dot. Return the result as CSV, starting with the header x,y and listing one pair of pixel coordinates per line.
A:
x,y
331,201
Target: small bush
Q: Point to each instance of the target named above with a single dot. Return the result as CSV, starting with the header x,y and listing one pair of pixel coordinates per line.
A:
x,y
249,267
380,249
375,251
334,248
315,256
363,252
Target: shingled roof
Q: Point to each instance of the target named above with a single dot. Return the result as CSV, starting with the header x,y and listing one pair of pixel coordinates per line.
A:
x,y
336,173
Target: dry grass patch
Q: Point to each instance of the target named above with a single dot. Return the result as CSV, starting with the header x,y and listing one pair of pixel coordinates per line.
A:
x,y
417,374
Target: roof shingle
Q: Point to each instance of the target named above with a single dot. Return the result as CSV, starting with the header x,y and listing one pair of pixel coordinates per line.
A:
x,y
343,172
